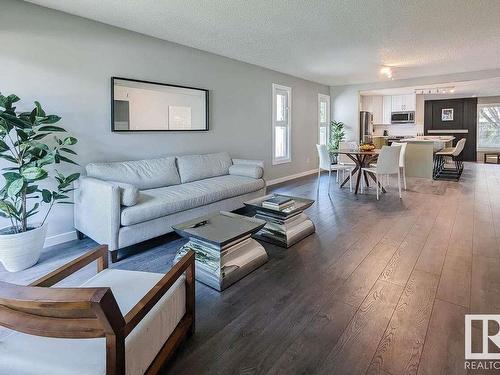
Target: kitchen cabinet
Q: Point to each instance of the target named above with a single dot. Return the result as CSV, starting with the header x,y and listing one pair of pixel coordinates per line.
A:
x,y
403,103
373,104
386,109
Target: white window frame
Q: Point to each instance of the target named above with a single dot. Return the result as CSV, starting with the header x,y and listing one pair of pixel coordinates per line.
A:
x,y
482,148
327,98
288,157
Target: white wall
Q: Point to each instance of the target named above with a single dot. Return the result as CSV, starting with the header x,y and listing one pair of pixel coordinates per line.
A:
x,y
66,63
345,99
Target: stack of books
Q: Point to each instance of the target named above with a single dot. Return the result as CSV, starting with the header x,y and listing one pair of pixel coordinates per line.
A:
x,y
278,203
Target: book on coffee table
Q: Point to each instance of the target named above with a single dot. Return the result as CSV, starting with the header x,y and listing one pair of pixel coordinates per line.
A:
x,y
278,202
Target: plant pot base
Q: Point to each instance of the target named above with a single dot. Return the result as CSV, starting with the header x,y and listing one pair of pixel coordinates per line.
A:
x,y
22,250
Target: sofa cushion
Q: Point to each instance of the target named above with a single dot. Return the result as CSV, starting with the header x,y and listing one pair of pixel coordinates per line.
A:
x,y
198,167
26,354
247,170
129,194
155,203
144,174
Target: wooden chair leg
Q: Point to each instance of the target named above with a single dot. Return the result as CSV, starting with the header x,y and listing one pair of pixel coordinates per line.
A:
x,y
114,256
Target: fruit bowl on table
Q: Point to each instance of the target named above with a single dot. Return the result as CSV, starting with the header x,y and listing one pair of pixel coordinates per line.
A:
x,y
367,147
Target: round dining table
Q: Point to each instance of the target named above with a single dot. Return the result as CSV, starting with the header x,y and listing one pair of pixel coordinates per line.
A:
x,y
361,159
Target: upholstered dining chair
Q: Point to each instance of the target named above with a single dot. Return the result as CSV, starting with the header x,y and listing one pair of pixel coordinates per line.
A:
x,y
402,157
118,322
387,164
325,164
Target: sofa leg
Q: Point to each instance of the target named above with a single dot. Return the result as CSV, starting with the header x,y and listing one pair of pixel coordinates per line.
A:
x,y
80,235
114,256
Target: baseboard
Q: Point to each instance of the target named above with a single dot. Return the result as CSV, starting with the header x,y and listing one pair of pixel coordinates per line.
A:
x,y
60,238
290,177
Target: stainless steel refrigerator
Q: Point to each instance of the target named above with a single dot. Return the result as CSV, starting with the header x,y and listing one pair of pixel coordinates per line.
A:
x,y
365,126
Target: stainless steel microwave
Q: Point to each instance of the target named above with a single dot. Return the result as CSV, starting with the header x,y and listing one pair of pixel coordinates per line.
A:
x,y
406,117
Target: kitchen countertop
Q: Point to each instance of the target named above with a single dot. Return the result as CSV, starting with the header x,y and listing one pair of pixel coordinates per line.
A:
x,y
428,138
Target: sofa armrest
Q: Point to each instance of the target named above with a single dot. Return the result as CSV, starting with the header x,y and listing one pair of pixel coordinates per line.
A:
x,y
97,210
258,163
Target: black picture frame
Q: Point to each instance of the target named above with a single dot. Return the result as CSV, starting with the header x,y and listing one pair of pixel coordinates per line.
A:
x,y
207,128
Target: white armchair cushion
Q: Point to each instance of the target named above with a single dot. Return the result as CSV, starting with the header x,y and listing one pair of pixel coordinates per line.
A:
x,y
246,170
29,355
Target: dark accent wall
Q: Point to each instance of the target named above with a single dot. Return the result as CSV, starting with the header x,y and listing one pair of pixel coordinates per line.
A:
x,y
464,118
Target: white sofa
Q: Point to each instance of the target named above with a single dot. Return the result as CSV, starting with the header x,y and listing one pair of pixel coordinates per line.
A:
x,y
124,203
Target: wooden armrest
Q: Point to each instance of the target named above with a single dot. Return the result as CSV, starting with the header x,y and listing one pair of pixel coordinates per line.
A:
x,y
100,254
139,311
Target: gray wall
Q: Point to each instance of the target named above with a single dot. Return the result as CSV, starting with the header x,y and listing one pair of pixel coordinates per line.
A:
x,y
66,63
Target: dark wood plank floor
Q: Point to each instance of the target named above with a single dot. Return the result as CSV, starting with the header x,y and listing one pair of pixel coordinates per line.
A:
x,y
380,288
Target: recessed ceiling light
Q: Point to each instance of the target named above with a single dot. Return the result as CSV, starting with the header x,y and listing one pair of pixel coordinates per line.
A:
x,y
387,71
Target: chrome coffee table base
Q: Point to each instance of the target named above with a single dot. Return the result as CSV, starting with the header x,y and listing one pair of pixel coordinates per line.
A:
x,y
220,268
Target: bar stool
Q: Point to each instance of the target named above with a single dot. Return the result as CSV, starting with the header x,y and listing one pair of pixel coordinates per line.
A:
x,y
456,155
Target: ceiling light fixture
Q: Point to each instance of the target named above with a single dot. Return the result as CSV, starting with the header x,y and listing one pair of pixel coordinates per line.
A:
x,y
387,71
435,90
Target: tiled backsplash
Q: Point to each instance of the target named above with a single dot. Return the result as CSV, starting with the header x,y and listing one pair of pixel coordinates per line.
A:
x,y
403,129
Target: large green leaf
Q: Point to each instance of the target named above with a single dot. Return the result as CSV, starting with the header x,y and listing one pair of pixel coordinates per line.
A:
x,y
3,146
11,176
50,119
31,189
13,120
9,158
34,173
51,128
15,187
39,111
13,98
64,158
46,196
5,127
40,136
69,151
70,141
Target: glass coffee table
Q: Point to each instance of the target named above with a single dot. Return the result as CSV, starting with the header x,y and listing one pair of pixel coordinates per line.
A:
x,y
283,227
223,247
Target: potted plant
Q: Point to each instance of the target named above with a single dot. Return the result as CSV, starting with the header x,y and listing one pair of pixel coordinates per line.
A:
x,y
337,135
28,143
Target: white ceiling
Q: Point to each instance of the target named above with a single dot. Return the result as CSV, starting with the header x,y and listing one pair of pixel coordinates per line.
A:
x,y
329,41
483,87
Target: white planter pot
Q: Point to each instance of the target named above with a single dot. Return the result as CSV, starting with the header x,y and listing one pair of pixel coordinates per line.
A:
x,y
22,250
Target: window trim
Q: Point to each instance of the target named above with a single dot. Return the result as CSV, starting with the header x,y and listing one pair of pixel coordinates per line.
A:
x,y
327,97
483,148
288,158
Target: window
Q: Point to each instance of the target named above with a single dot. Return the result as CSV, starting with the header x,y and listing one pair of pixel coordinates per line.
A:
x,y
282,109
488,122
323,119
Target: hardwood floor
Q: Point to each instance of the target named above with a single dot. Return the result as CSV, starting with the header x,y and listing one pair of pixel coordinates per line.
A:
x,y
382,287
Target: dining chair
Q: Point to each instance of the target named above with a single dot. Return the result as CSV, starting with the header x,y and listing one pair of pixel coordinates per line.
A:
x,y
325,164
387,164
402,157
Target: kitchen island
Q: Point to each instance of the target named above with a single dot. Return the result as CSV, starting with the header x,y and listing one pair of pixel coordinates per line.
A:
x,y
419,159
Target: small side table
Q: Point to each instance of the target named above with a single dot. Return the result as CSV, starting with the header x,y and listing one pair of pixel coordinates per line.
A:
x,y
224,250
286,227
495,155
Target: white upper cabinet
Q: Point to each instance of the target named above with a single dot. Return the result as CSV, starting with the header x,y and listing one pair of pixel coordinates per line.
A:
x,y
373,104
386,109
403,103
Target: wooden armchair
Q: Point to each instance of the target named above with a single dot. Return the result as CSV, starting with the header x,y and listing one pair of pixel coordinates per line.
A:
x,y
124,313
